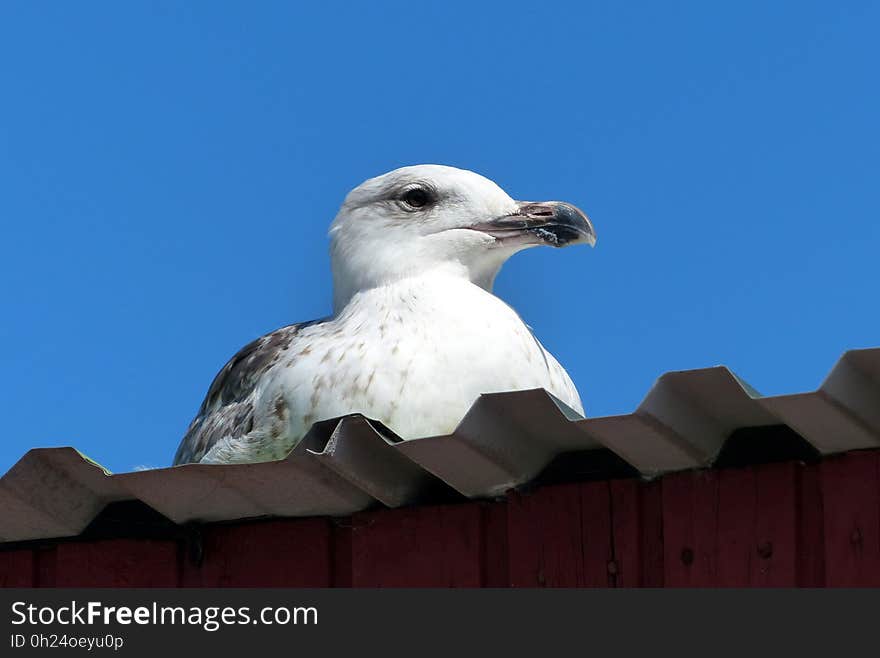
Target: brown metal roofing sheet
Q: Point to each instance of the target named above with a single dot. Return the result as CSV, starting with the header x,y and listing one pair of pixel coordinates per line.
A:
x,y
644,442
298,485
364,455
506,440
52,492
682,422
844,414
503,441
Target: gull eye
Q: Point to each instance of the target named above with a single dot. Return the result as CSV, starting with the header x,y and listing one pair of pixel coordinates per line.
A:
x,y
417,197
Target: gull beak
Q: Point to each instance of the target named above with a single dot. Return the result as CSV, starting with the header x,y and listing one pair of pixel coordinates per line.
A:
x,y
554,223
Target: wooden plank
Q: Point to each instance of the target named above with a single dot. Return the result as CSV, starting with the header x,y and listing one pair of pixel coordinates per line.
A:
x,y
116,563
544,537
734,527
811,530
597,539
44,566
775,545
690,517
560,536
651,531
17,568
495,552
341,553
431,546
851,520
625,567
758,526
637,527
277,553
737,503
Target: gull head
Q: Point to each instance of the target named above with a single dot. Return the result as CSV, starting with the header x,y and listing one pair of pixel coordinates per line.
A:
x,y
433,218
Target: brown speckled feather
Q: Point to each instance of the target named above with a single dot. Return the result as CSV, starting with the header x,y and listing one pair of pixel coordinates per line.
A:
x,y
228,408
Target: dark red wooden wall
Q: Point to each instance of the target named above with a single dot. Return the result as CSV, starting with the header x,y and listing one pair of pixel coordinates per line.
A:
x,y
786,524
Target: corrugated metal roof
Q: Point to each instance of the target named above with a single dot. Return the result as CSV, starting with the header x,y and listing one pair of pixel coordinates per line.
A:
x,y
506,440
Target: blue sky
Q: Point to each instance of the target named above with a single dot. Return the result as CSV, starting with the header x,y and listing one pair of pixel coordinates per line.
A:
x,y
168,171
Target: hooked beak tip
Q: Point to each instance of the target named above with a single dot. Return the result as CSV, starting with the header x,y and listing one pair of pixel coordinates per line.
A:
x,y
553,223
559,223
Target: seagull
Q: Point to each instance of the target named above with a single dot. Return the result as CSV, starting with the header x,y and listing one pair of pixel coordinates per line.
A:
x,y
416,334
